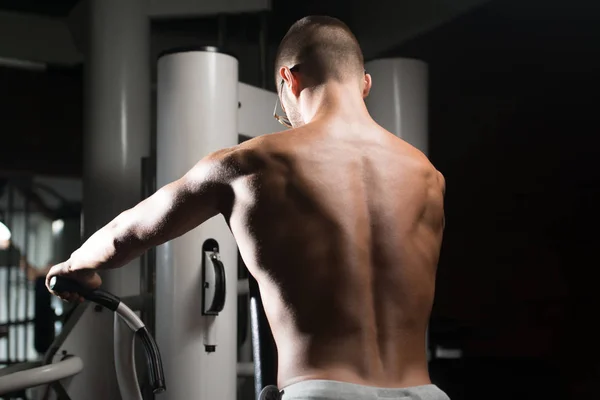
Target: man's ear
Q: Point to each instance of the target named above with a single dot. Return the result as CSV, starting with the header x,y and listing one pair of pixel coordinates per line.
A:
x,y
291,79
368,83
282,74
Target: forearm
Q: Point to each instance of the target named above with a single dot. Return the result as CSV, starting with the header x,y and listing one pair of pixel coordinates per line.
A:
x,y
112,246
170,212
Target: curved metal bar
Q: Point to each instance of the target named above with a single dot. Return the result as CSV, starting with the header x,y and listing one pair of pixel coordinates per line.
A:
x,y
155,368
125,360
19,367
129,317
41,375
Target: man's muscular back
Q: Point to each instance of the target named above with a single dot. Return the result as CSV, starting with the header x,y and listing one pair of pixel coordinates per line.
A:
x,y
341,226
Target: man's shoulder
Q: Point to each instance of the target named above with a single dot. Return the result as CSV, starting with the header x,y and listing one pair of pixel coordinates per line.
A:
x,y
268,141
417,160
247,157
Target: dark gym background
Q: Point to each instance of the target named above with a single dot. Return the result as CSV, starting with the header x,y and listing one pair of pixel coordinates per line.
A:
x,y
513,127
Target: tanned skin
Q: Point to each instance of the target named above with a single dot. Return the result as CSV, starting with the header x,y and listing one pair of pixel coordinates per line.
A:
x,y
339,221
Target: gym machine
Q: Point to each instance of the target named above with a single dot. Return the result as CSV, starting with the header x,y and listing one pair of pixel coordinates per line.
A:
x,y
127,327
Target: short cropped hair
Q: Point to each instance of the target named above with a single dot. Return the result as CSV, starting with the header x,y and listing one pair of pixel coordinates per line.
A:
x,y
323,48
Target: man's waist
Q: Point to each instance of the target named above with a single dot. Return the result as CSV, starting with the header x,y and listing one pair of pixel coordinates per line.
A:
x,y
408,376
332,390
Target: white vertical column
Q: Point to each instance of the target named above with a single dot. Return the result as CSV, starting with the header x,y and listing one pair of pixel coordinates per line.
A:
x,y
399,98
197,114
117,136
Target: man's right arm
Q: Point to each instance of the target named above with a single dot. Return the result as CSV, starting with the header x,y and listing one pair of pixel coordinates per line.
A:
x,y
170,212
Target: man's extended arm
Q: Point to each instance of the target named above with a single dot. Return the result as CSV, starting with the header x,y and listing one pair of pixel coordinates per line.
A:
x,y
172,211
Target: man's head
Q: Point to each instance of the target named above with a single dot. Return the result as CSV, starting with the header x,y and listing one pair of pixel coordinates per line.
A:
x,y
317,51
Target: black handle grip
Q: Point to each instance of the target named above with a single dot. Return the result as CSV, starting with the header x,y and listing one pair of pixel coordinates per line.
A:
x,y
61,284
218,302
155,367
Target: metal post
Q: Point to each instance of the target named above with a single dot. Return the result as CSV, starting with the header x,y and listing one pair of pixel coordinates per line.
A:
x,y
24,253
116,137
148,260
197,114
144,257
263,344
16,291
117,131
147,267
10,226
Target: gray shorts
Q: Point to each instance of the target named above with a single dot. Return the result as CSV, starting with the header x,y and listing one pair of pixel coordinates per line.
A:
x,y
333,390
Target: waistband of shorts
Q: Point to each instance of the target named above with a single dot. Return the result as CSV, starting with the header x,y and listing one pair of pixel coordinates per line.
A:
x,y
337,389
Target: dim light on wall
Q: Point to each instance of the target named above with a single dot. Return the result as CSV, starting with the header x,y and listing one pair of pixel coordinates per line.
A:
x,y
5,236
57,226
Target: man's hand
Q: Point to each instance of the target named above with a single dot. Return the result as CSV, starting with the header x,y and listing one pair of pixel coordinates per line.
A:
x,y
86,277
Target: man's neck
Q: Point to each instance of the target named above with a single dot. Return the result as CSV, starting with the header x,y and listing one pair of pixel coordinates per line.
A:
x,y
333,100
